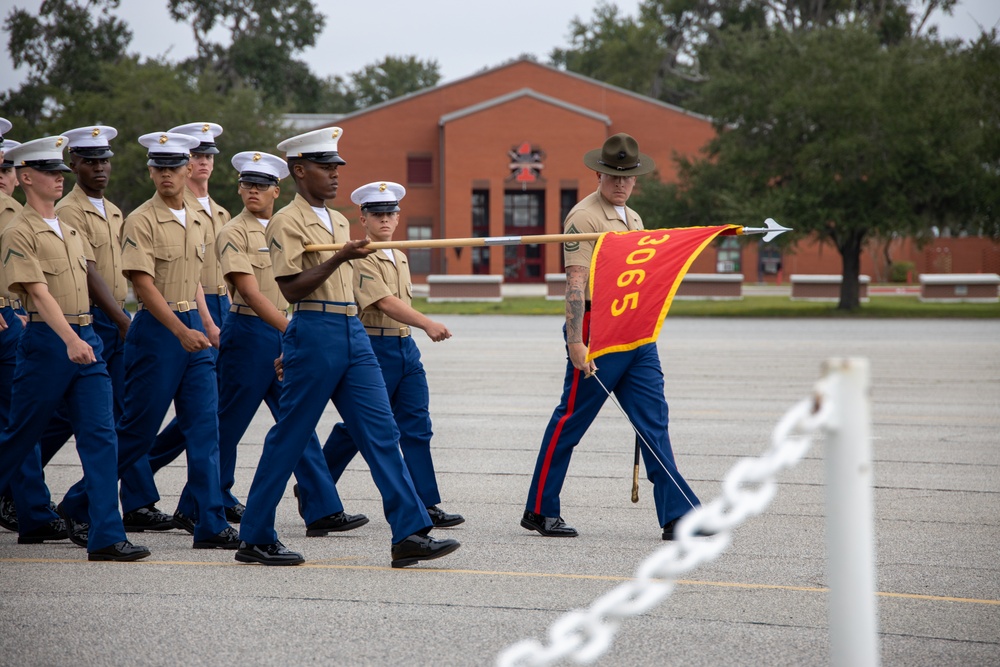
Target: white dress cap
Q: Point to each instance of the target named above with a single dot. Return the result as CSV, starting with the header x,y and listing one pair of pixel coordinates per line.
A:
x,y
91,141
44,154
316,146
168,149
261,168
5,126
379,197
205,133
8,145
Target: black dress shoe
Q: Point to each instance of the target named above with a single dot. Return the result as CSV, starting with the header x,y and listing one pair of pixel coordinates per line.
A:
x,y
234,514
119,551
8,513
668,530
51,531
182,522
146,518
418,547
335,523
268,554
227,539
298,500
76,531
442,519
549,526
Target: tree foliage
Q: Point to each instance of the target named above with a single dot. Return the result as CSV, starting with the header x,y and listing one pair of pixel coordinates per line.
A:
x,y
392,77
61,46
836,135
264,37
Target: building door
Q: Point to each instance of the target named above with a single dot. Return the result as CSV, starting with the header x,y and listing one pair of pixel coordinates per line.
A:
x,y
524,215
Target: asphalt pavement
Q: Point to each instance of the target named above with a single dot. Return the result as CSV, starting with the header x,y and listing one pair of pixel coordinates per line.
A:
x,y
936,419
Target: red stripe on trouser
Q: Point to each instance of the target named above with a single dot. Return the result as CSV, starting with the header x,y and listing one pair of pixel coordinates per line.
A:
x,y
570,403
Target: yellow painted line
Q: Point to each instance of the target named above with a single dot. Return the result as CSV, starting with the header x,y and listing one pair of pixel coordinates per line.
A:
x,y
328,565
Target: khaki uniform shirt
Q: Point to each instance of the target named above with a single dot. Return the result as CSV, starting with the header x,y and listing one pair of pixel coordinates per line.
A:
x,y
102,236
376,277
9,207
211,271
242,248
294,227
155,242
34,253
594,214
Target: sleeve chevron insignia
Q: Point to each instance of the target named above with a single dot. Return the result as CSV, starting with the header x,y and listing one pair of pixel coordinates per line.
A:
x,y
572,246
362,279
274,243
128,242
11,253
229,244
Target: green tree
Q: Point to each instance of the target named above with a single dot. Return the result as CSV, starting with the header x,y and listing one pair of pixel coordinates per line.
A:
x,y
62,46
834,134
140,97
264,37
392,77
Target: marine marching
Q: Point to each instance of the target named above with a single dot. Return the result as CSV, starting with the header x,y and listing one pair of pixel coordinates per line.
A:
x,y
212,335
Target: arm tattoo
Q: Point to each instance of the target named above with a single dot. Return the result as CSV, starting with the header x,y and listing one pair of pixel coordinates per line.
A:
x,y
576,290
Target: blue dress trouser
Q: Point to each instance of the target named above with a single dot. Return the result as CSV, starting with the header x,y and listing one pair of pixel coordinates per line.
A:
x,y
157,371
27,488
44,378
59,429
406,385
246,379
138,487
636,379
328,357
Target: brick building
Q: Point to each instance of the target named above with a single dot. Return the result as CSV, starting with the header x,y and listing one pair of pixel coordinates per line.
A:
x,y
500,153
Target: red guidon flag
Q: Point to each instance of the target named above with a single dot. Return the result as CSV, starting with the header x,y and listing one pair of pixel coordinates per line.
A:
x,y
633,279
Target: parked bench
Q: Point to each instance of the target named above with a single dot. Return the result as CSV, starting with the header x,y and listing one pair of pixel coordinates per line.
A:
x,y
443,288
959,287
711,287
824,287
695,286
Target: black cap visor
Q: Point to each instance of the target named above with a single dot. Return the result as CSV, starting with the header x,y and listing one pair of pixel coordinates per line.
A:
x,y
380,207
330,157
258,178
93,153
206,148
45,165
167,160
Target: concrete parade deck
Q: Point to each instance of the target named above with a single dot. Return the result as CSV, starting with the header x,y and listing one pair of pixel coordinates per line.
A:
x,y
936,413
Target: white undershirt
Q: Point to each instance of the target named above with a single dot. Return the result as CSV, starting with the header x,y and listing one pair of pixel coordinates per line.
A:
x,y
388,253
621,214
263,221
99,205
205,204
54,224
181,215
324,217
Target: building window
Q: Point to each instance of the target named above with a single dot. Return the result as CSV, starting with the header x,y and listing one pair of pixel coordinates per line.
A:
x,y
567,200
480,229
728,255
420,258
524,209
419,170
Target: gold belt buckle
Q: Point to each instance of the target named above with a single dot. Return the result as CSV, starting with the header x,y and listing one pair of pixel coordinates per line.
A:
x,y
222,291
183,306
3,302
85,320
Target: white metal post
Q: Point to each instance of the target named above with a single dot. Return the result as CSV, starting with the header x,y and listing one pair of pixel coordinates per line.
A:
x,y
850,536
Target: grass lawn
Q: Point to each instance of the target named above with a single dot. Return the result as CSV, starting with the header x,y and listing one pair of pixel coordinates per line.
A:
x,y
750,306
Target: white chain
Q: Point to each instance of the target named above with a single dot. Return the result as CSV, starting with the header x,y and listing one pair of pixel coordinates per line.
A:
x,y
584,636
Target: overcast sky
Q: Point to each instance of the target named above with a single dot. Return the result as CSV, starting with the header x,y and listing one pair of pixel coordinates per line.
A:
x,y
462,36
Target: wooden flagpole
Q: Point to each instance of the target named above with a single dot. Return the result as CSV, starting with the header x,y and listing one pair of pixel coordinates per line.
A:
x,y
465,243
